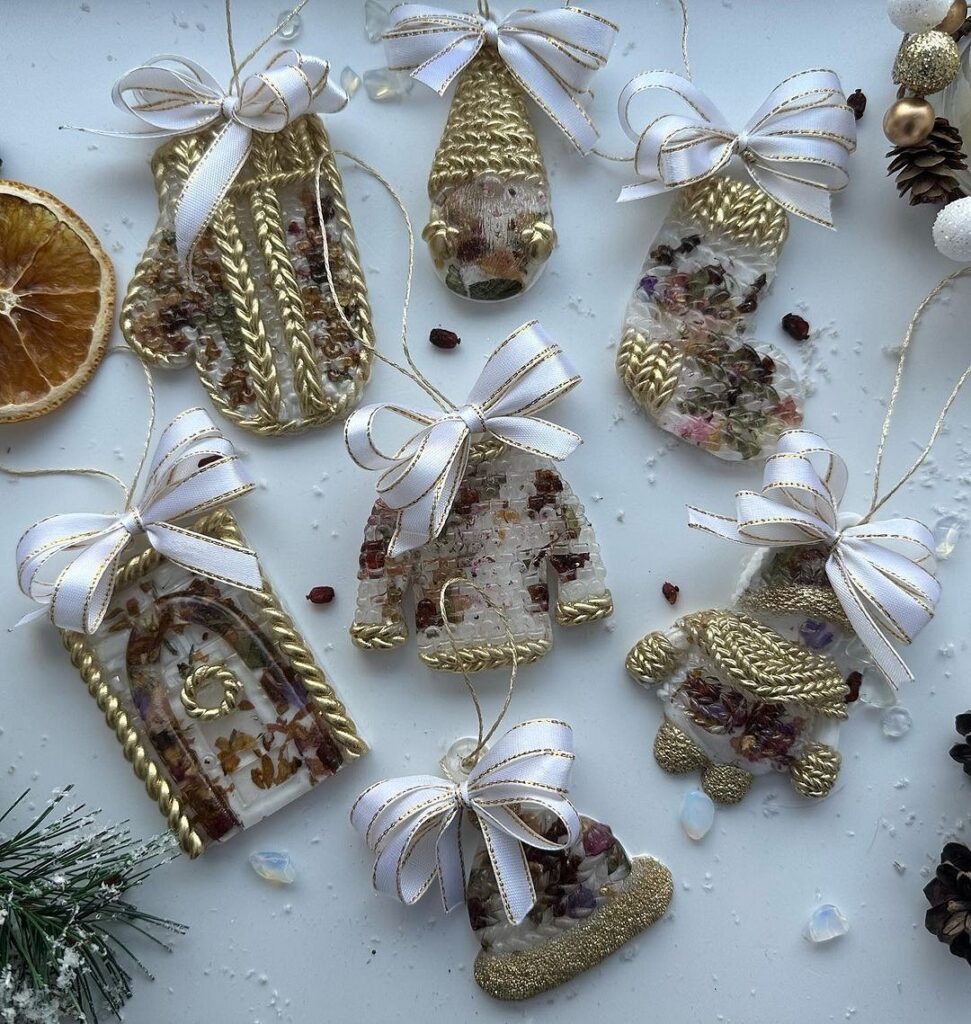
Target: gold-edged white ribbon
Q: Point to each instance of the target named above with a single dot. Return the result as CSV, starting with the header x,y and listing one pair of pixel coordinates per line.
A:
x,y
194,469
526,373
414,824
176,96
795,147
553,55
881,572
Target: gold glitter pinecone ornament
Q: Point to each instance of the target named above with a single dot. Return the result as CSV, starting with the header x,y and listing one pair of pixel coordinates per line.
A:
x,y
490,229
926,62
924,171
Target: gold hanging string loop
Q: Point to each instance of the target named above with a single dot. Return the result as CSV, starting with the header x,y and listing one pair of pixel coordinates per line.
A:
x,y
482,738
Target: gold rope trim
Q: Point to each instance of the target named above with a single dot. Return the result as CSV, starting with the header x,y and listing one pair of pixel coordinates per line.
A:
x,y
649,368
578,613
652,658
484,656
814,774
737,209
487,130
726,783
222,526
816,602
642,899
383,636
676,752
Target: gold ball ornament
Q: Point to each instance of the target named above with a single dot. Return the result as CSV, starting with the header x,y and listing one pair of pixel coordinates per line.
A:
x,y
908,121
926,62
955,17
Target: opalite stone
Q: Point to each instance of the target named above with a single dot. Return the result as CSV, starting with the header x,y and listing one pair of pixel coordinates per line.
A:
x,y
947,533
384,85
274,866
350,81
896,722
826,923
291,29
376,20
954,104
697,814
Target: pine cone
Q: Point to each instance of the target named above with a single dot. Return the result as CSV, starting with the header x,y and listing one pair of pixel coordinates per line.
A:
x,y
961,752
925,170
949,894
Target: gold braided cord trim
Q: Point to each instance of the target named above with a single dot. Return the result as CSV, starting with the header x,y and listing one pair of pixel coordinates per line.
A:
x,y
485,448
383,636
815,773
737,209
649,368
484,656
676,752
766,665
652,658
726,783
222,526
642,899
487,130
577,613
817,602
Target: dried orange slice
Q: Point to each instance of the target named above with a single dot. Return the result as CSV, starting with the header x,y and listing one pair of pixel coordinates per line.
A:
x,y
57,299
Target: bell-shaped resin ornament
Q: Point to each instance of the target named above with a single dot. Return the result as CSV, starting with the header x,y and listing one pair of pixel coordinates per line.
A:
x,y
490,230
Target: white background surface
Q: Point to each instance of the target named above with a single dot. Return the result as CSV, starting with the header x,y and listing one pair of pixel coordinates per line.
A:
x,y
328,949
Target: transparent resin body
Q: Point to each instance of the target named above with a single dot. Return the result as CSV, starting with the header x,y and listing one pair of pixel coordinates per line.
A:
x,y
519,533
237,726
762,687
257,317
685,354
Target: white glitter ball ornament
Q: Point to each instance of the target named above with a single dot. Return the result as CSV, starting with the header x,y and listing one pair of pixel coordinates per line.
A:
x,y
952,230
917,15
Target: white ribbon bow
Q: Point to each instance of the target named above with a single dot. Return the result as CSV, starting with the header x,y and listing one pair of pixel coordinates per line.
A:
x,y
882,573
194,469
525,374
176,96
796,146
553,55
413,824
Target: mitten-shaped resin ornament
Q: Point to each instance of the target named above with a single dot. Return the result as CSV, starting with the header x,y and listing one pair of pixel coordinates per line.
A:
x,y
474,495
764,684
490,230
234,278
685,354
550,893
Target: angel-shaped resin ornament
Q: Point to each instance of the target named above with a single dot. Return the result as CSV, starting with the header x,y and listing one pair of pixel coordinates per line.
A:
x,y
490,230
764,684
234,278
475,494
685,354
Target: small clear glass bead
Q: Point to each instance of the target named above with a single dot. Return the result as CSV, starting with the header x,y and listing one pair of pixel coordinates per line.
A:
x,y
292,28
452,763
383,85
350,81
376,20
827,923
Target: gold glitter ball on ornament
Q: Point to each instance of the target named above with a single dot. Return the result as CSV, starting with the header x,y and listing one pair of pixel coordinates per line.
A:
x,y
926,62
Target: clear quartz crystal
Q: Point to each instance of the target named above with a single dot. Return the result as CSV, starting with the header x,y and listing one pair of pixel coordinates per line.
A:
x,y
896,722
384,85
826,923
697,814
375,20
274,866
291,29
350,81
955,105
947,533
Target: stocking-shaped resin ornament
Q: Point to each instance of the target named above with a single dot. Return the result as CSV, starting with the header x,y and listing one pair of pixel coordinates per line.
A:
x,y
219,705
520,535
684,352
243,292
761,686
490,230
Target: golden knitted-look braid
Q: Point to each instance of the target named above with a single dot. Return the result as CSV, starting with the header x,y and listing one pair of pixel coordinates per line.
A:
x,y
258,318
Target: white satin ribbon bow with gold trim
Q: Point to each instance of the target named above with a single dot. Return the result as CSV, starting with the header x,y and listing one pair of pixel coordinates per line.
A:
x,y
414,824
553,55
881,572
175,96
194,469
525,374
795,147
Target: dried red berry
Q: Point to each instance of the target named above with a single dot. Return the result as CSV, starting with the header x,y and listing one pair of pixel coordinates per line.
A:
x,y
856,101
853,682
321,595
441,338
795,326
670,592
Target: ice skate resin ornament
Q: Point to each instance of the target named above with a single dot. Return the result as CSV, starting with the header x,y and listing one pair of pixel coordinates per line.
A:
x,y
220,707
550,893
233,278
474,493
684,352
490,230
763,685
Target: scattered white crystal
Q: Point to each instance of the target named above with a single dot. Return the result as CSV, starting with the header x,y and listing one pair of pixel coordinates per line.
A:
x,y
452,762
826,923
292,28
274,866
350,81
697,814
383,84
375,20
947,533
896,722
